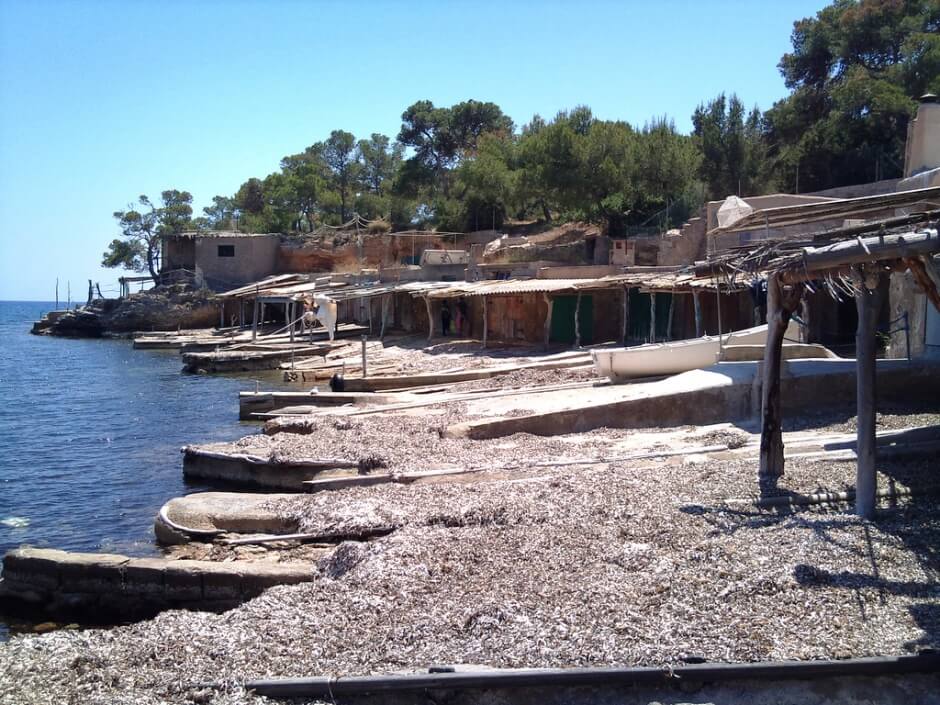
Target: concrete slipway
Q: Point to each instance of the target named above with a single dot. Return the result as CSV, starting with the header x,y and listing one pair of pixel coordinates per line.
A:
x,y
727,391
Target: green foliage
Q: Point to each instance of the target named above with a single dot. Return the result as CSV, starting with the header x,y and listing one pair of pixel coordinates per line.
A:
x,y
730,141
142,229
443,137
855,72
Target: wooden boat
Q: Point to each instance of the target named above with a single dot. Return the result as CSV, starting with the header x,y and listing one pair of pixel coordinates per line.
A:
x,y
656,359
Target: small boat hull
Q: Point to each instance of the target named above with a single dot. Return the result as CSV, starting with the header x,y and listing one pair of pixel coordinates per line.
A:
x,y
657,359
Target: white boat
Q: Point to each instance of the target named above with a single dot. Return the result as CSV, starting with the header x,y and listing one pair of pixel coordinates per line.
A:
x,y
655,359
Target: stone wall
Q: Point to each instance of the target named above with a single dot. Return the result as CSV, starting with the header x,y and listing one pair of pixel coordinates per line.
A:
x,y
61,582
254,257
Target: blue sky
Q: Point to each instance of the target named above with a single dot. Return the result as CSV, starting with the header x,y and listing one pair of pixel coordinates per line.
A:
x,y
103,101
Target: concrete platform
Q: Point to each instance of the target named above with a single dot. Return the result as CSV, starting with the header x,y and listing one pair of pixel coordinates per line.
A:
x,y
254,471
727,391
266,402
105,586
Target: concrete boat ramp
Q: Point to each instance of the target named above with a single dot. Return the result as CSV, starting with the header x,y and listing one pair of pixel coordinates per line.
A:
x,y
727,391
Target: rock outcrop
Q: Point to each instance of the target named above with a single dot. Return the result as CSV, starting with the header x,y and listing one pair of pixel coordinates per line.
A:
x,y
160,308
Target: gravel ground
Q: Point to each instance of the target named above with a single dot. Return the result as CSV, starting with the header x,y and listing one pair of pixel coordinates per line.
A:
x,y
529,563
623,563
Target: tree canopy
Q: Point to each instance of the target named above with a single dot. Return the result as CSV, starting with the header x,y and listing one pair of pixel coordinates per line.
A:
x,y
854,73
142,228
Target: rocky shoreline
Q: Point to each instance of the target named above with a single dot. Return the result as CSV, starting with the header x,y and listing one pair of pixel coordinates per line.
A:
x,y
159,308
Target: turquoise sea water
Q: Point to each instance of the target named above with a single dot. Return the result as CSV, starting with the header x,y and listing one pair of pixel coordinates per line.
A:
x,y
90,433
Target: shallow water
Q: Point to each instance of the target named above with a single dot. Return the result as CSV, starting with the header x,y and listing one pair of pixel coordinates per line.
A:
x,y
90,432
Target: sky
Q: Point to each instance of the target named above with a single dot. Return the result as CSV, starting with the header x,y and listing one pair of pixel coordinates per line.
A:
x,y
103,101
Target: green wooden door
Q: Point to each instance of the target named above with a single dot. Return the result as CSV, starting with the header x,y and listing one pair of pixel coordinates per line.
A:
x,y
562,327
638,325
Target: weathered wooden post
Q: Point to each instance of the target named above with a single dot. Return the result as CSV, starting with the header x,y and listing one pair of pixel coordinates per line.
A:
x,y
867,302
254,322
427,303
369,304
698,314
672,309
486,319
781,303
625,318
384,315
291,312
652,316
365,369
577,321
549,305
718,306
221,316
806,314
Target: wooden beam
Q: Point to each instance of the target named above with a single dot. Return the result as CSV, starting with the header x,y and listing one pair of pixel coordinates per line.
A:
x,y
867,301
781,303
254,322
486,319
870,250
698,314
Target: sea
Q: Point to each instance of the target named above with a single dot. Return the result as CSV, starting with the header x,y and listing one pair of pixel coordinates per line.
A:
x,y
90,436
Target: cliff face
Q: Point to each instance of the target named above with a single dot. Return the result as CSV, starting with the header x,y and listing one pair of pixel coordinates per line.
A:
x,y
341,253
160,308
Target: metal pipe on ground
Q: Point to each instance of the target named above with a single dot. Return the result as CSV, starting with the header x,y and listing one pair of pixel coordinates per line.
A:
x,y
927,662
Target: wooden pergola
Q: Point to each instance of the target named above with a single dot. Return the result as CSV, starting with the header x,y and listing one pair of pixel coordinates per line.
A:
x,y
855,261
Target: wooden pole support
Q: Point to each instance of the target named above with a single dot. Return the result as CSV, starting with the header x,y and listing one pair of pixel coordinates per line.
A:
x,y
698,314
652,316
625,320
577,321
781,303
672,310
486,319
427,302
365,361
384,315
549,304
867,302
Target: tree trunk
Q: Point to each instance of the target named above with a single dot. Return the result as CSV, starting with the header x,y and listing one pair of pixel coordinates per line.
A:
x,y
547,214
780,306
153,245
